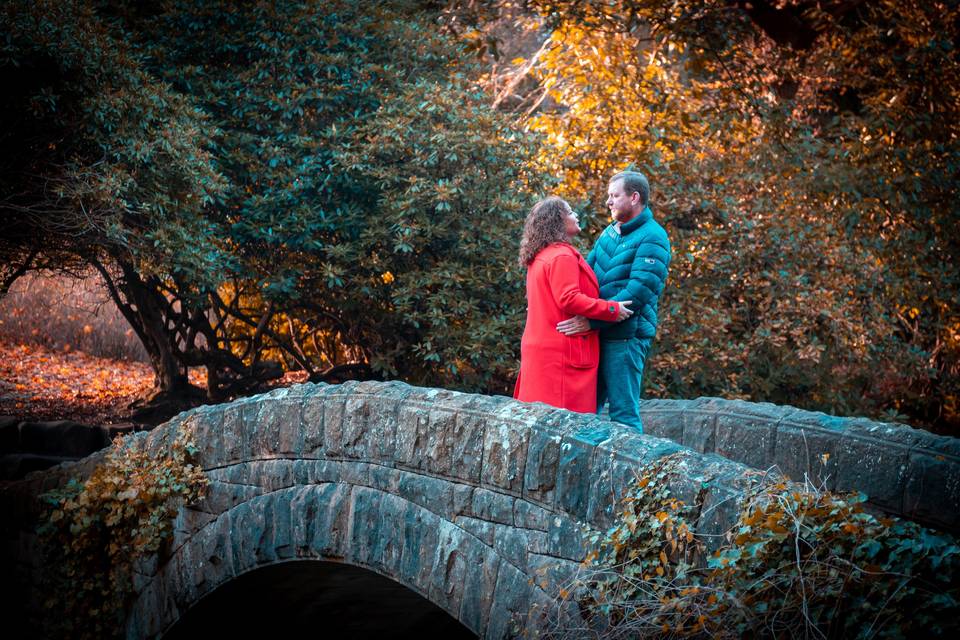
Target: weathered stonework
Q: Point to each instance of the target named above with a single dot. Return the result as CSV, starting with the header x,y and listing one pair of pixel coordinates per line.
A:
x,y
474,502
903,471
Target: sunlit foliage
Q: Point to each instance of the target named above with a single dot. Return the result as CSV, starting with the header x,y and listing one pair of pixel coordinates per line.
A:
x,y
804,158
318,184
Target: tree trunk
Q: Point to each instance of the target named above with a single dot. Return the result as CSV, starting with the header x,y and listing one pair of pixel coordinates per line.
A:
x,y
143,307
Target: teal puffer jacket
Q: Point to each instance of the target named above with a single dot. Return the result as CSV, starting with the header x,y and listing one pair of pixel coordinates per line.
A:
x,y
631,262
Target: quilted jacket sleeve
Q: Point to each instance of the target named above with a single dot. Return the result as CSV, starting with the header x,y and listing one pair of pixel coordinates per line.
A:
x,y
565,286
648,274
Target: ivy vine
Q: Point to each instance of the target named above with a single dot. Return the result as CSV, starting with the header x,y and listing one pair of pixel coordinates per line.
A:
x,y
799,562
95,532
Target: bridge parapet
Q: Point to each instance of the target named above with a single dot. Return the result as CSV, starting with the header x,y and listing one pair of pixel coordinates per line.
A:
x,y
903,471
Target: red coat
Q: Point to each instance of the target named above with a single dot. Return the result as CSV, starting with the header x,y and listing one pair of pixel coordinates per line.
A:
x,y
554,368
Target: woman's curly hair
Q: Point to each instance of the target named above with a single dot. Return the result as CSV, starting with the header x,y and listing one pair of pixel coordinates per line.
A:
x,y
544,225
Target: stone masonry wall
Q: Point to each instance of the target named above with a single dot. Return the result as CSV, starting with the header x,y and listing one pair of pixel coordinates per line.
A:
x,y
903,471
475,502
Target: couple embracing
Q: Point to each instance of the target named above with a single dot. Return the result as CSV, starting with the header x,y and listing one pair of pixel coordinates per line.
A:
x,y
590,322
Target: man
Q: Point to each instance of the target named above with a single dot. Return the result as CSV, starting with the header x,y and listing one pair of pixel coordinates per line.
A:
x,y
630,259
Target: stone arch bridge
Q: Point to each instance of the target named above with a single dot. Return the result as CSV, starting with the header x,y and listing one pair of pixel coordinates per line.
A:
x,y
464,498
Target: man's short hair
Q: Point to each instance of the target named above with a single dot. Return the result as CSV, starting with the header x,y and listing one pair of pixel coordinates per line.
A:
x,y
634,181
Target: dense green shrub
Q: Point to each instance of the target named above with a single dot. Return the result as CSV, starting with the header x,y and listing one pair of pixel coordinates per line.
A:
x,y
350,197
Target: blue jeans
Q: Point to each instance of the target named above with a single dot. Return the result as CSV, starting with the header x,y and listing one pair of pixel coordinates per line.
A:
x,y
620,379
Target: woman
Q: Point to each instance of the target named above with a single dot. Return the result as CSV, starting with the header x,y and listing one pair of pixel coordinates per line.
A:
x,y
557,369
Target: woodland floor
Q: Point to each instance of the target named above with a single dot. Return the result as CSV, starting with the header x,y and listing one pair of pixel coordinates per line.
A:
x,y
38,383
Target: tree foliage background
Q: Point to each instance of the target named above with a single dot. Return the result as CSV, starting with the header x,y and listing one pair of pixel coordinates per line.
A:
x,y
804,159
339,187
309,185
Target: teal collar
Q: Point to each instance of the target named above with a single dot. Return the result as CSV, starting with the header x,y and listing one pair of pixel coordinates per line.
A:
x,y
642,218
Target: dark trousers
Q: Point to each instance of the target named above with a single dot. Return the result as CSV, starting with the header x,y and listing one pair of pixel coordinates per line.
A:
x,y
620,379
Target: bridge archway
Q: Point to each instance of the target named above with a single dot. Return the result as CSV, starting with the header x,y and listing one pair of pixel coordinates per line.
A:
x,y
331,599
354,526
474,502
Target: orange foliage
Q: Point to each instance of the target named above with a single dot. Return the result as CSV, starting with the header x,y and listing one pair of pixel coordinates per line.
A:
x,y
37,383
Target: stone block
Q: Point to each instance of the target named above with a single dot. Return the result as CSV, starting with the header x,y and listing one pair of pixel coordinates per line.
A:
x,y
312,414
280,431
179,576
233,444
480,529
480,581
272,475
511,544
574,482
891,433
334,411
191,519
700,427
462,499
492,506
551,574
932,490
382,478
809,453
223,496
359,416
871,466
365,528
281,539
450,568
420,539
301,471
143,621
412,433
370,420
212,551
601,500
304,510
325,521
358,473
504,456
388,548
663,419
207,426
719,512
511,599
541,469
696,476
531,516
434,494
746,432
613,475
319,471
247,518
455,443
564,540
